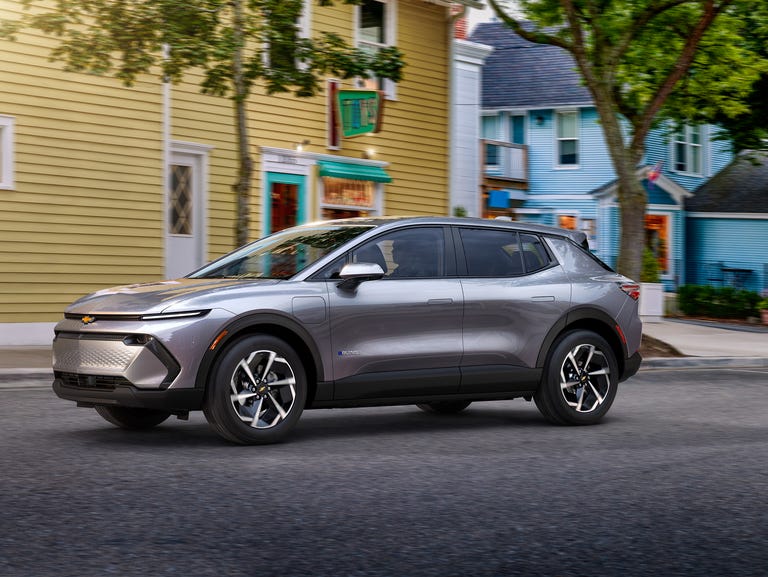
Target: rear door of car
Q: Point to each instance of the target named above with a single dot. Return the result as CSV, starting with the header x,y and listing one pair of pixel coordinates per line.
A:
x,y
514,292
400,335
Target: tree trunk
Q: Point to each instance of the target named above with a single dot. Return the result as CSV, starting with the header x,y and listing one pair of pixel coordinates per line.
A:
x,y
631,194
242,187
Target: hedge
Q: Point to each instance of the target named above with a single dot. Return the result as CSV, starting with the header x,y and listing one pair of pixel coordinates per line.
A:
x,y
717,302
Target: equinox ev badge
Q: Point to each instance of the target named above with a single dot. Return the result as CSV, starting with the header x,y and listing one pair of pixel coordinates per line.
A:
x,y
87,319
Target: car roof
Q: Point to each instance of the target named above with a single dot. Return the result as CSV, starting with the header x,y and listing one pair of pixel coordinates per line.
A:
x,y
387,222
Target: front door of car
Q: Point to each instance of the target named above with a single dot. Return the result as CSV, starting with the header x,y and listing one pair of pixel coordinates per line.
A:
x,y
399,335
514,293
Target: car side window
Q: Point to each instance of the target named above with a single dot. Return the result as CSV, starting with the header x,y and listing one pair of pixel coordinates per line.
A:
x,y
491,253
535,255
409,253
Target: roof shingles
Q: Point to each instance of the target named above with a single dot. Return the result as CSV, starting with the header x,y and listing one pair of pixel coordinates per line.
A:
x,y
521,74
741,187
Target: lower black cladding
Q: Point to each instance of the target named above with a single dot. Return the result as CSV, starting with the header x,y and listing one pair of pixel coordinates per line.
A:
x,y
122,395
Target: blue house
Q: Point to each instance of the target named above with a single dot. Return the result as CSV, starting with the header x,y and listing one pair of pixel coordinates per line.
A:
x,y
546,161
727,226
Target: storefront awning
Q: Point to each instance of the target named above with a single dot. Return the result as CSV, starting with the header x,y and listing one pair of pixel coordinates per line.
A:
x,y
353,171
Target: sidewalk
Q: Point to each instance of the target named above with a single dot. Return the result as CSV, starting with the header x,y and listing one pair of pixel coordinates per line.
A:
x,y
704,344
709,344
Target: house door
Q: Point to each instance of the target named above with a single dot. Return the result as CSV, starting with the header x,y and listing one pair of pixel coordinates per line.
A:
x,y
284,202
185,215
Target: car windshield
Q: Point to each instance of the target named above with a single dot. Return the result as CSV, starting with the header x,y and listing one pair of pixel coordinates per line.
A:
x,y
281,255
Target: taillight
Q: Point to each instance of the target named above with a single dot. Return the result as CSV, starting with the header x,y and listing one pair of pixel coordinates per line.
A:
x,y
631,289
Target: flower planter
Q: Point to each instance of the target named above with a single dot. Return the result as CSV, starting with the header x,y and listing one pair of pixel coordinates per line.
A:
x,y
651,302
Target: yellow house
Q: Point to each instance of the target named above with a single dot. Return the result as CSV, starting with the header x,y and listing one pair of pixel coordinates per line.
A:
x,y
102,185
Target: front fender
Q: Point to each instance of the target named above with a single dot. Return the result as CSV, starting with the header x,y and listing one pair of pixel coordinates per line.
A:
x,y
278,324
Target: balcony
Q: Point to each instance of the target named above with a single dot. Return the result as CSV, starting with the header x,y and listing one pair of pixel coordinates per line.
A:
x,y
504,161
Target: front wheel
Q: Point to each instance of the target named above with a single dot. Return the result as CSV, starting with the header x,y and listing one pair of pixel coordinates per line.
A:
x,y
580,380
132,418
257,391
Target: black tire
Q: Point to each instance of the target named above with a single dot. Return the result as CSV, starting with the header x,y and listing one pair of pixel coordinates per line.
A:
x,y
132,418
587,362
262,409
444,407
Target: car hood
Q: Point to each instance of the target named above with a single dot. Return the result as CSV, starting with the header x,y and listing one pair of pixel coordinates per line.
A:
x,y
156,297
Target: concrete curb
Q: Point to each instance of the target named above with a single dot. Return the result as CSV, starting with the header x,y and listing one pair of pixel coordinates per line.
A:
x,y
703,363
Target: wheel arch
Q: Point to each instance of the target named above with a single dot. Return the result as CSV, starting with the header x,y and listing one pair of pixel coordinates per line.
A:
x,y
591,319
272,324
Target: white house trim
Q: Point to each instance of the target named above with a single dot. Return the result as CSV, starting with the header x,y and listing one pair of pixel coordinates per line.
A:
x,y
732,215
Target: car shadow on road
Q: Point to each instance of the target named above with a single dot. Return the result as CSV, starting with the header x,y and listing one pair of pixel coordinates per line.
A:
x,y
328,425
409,420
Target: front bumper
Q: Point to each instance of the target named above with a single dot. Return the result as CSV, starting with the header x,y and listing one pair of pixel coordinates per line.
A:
x,y
89,391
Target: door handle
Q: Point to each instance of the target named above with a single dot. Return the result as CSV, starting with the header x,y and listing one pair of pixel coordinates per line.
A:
x,y
439,301
543,299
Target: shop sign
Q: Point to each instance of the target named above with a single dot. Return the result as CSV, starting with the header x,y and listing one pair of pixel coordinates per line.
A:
x,y
360,111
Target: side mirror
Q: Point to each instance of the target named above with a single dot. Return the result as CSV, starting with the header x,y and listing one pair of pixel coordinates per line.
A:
x,y
354,273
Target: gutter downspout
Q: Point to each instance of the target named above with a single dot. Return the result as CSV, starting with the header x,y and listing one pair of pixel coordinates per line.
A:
x,y
166,153
452,130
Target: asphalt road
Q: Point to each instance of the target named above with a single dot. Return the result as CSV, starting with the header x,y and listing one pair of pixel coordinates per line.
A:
x,y
674,482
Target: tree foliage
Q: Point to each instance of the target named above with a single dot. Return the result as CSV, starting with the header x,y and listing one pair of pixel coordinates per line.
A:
x,y
236,43
646,61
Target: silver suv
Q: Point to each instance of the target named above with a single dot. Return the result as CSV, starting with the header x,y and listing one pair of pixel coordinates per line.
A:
x,y
436,312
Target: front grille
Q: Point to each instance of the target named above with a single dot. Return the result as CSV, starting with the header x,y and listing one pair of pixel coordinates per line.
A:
x,y
96,382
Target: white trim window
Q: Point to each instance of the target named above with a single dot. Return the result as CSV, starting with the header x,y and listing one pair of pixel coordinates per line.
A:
x,y
567,138
687,151
6,152
305,20
375,28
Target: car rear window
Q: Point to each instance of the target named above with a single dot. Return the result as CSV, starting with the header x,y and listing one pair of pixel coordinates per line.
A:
x,y
498,253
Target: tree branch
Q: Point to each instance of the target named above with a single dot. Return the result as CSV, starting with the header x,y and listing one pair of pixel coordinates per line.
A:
x,y
535,36
645,120
640,21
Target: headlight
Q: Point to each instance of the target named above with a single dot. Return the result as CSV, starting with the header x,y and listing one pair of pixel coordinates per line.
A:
x,y
174,315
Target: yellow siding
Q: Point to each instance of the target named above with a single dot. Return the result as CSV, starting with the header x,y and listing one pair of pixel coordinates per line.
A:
x,y
414,139
86,210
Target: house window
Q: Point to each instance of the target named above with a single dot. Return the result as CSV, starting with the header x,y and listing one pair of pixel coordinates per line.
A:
x,y
567,125
180,214
347,198
567,221
375,31
687,150
517,129
6,152
657,239
490,131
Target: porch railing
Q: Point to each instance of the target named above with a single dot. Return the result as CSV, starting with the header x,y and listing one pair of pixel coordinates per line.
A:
x,y
504,160
751,276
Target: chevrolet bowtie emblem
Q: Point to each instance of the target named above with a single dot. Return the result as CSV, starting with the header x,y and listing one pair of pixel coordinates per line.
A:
x,y
87,319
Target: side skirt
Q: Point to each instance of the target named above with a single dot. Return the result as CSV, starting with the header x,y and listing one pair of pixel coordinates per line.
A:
x,y
393,401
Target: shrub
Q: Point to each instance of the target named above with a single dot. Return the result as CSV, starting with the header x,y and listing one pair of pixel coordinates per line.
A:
x,y
719,302
649,268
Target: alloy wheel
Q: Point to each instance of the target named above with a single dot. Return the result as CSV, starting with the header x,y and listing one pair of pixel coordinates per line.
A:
x,y
585,378
263,389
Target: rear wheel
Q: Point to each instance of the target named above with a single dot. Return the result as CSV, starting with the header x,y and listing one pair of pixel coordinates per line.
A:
x,y
257,391
444,407
580,380
132,418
